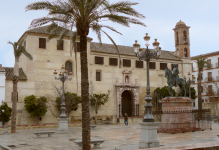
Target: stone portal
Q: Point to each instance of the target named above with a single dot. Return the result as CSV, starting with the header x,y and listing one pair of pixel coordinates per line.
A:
x,y
127,104
127,96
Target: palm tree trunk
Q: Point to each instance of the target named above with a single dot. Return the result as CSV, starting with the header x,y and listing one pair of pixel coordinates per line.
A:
x,y
199,97
14,105
14,95
85,94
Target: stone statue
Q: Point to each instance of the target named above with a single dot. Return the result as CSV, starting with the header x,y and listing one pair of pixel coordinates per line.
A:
x,y
175,74
173,79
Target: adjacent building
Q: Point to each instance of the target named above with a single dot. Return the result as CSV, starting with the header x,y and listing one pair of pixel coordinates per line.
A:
x,y
210,78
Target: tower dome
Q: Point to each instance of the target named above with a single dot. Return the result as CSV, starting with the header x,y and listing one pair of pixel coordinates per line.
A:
x,y
180,23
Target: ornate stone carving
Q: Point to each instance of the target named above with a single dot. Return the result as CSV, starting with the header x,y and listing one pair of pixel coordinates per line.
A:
x,y
127,76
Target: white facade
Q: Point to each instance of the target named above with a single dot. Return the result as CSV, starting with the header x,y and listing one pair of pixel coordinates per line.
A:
x,y
2,84
210,76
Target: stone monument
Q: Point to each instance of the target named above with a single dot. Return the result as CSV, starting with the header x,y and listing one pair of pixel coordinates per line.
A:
x,y
177,111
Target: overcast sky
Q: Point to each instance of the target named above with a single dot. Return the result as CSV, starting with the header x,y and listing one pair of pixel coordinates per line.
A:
x,y
161,18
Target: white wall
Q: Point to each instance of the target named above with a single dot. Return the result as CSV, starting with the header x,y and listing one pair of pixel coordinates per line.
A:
x,y
2,86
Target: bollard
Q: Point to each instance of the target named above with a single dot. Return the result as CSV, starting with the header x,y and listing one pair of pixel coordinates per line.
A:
x,y
6,129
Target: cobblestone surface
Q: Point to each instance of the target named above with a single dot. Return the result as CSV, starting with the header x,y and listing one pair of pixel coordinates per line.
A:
x,y
116,136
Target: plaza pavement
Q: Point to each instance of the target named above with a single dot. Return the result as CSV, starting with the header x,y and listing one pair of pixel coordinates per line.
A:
x,y
116,136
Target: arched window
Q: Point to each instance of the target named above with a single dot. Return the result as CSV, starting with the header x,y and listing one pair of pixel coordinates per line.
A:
x,y
184,37
186,53
177,38
68,66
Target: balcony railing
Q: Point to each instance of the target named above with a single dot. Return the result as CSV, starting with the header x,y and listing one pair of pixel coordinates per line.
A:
x,y
217,78
209,66
216,64
208,79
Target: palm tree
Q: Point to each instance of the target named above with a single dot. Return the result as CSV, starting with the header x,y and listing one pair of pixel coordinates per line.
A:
x,y
64,15
18,50
201,63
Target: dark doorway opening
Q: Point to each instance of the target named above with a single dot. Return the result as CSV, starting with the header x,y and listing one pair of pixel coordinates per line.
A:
x,y
126,104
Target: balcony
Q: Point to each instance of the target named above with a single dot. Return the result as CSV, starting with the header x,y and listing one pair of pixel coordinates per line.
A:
x,y
217,78
216,64
208,79
209,66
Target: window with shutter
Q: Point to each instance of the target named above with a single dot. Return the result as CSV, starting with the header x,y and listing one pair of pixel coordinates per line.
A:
x,y
126,63
113,61
163,66
42,43
139,64
98,75
99,60
68,66
152,65
77,46
61,45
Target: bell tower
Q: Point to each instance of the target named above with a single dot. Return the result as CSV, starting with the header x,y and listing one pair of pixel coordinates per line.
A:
x,y
182,41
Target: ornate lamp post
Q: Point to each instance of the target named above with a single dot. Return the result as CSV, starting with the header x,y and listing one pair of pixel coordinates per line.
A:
x,y
148,126
189,82
147,55
63,120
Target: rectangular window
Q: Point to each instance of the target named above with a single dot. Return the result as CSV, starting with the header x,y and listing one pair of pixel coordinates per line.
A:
x,y
209,63
210,90
113,61
163,66
98,75
139,64
126,63
42,43
218,62
77,46
152,65
99,60
209,76
61,45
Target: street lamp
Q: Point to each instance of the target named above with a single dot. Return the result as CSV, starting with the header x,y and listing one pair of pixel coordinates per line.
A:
x,y
63,76
189,82
147,55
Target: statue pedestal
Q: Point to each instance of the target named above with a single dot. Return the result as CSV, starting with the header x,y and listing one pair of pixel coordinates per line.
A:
x,y
149,135
177,115
63,125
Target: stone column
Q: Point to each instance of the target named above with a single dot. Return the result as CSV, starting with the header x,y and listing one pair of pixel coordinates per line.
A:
x,y
149,135
63,125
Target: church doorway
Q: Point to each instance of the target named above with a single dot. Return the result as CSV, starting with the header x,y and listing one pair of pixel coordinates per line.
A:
x,y
126,103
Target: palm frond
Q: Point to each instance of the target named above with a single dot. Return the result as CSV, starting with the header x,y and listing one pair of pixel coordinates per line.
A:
x,y
115,47
45,5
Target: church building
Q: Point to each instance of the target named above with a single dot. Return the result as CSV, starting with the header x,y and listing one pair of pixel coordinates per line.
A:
x,y
127,84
